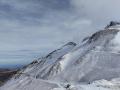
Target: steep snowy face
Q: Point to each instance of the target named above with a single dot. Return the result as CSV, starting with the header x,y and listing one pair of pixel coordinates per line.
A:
x,y
88,61
96,58
79,63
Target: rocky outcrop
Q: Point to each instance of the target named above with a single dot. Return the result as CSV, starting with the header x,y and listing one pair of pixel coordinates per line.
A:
x,y
112,23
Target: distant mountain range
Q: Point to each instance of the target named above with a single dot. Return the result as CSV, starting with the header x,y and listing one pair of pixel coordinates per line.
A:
x,y
4,70
12,67
5,74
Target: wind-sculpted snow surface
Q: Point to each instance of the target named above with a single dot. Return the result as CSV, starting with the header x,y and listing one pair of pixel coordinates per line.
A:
x,y
96,85
96,58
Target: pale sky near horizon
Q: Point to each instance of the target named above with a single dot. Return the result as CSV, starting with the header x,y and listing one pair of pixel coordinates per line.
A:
x,y
30,29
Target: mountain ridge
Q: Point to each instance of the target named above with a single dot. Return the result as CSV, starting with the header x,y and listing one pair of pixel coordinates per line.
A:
x,y
85,62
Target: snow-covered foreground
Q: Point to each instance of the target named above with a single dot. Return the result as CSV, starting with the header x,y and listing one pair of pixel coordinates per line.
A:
x,y
114,84
29,83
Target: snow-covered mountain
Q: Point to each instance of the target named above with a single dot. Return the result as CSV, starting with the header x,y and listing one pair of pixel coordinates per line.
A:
x,y
96,58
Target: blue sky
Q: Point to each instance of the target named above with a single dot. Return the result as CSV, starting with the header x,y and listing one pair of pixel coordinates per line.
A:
x,y
30,29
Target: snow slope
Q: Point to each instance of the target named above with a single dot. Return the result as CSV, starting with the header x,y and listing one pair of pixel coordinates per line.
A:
x,y
96,58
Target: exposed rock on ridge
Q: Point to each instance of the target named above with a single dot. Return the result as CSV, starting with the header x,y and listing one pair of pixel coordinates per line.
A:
x,y
112,23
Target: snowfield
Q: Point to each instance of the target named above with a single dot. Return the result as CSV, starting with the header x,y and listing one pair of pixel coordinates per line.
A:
x,y
28,83
93,64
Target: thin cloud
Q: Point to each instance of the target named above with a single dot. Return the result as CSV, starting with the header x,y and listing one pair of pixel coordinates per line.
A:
x,y
41,26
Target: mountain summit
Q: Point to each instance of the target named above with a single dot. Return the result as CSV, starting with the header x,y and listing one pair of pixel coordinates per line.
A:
x,y
96,58
112,23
